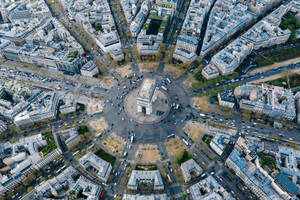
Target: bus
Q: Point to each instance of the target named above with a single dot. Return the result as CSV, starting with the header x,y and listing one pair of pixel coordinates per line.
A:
x,y
170,136
131,139
75,153
169,178
62,168
164,88
102,194
185,142
69,83
91,146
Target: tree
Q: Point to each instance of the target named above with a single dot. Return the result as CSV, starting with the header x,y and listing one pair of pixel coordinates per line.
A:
x,y
20,188
29,189
118,197
98,26
114,63
286,73
86,135
27,180
9,194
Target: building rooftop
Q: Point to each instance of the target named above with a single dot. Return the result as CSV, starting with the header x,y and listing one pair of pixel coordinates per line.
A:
x,y
96,165
145,197
271,100
209,189
147,89
286,183
145,176
43,108
287,161
89,66
189,169
226,18
61,185
69,135
227,95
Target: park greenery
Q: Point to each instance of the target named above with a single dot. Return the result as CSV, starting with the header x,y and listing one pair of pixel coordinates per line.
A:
x,y
267,160
207,139
216,90
83,129
201,81
289,22
105,156
291,81
98,26
184,157
279,55
51,145
80,107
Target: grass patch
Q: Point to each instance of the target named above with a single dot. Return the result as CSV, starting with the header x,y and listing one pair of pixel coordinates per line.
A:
x,y
51,145
105,156
184,157
277,56
201,81
207,139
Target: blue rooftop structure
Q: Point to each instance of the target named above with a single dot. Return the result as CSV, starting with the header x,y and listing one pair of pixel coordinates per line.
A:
x,y
188,39
285,182
227,95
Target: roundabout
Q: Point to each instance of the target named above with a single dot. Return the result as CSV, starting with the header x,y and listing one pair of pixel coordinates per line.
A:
x,y
123,118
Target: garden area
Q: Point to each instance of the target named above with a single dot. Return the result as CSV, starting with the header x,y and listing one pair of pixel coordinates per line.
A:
x,y
184,157
207,139
201,81
294,81
51,145
289,22
277,56
105,156
267,160
83,129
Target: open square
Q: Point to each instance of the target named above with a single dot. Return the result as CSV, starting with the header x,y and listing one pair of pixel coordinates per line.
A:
x,y
175,146
194,130
113,144
98,125
148,153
